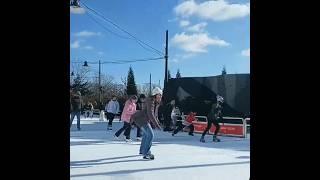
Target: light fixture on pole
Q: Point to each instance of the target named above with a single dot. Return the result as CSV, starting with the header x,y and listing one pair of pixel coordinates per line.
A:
x,y
100,88
75,3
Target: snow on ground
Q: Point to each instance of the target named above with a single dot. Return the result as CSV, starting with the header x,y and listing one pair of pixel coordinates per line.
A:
x,y
94,155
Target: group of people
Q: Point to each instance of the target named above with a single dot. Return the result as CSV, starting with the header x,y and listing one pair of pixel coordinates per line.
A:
x,y
88,110
143,113
178,123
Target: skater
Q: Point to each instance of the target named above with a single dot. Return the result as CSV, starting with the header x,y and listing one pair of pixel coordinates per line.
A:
x,y
141,105
167,110
90,110
121,106
128,110
76,108
147,119
112,108
161,113
86,109
71,94
186,123
175,115
213,117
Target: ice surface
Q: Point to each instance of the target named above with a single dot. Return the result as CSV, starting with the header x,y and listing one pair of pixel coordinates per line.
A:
x,y
95,155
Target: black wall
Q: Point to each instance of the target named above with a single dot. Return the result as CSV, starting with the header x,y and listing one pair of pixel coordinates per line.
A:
x,y
199,93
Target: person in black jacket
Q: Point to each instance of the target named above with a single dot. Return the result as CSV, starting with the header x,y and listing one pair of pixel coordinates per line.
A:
x,y
141,105
86,110
214,116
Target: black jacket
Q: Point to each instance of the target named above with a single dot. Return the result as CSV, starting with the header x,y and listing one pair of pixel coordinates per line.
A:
x,y
76,103
215,112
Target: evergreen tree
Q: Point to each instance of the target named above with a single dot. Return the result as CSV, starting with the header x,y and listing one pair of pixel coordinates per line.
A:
x,y
80,85
224,71
178,75
131,84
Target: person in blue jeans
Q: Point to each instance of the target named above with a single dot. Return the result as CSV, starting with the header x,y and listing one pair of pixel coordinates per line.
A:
x,y
75,102
147,120
146,142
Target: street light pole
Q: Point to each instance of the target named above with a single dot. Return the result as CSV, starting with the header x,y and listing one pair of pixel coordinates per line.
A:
x,y
100,89
100,103
166,62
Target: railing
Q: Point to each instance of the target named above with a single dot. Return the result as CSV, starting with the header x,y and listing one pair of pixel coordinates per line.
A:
x,y
230,126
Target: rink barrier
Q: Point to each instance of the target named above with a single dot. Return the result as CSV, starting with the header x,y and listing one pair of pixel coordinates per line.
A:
x,y
248,125
230,126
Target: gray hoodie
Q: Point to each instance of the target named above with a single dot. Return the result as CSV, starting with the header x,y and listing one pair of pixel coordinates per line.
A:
x,y
112,107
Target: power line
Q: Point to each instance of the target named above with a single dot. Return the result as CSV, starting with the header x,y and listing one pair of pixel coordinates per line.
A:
x,y
148,49
124,62
118,34
121,61
106,28
137,40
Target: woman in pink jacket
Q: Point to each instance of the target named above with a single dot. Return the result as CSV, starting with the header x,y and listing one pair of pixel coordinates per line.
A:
x,y
128,110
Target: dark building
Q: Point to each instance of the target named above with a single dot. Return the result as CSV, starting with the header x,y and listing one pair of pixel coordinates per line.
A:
x,y
199,93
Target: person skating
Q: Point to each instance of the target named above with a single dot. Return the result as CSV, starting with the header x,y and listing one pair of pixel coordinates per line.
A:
x,y
186,123
112,108
90,110
147,120
141,105
86,109
213,117
175,115
167,110
76,108
128,110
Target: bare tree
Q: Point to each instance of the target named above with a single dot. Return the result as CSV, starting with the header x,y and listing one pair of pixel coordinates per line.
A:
x,y
145,88
108,86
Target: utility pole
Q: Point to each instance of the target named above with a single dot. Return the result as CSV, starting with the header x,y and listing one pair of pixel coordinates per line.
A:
x,y
150,85
100,103
166,63
166,68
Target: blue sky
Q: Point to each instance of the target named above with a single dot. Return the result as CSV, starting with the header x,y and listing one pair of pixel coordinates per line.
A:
x,y
204,36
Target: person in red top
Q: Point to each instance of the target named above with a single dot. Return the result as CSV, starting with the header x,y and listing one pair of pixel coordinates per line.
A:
x,y
186,123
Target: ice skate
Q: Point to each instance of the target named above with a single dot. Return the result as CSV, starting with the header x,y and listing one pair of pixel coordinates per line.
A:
x,y
202,139
149,156
215,139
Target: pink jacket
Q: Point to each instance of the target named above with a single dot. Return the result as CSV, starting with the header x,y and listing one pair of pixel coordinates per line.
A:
x,y
128,110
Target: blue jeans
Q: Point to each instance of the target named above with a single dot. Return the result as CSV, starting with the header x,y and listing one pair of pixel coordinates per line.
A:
x,y
147,137
75,113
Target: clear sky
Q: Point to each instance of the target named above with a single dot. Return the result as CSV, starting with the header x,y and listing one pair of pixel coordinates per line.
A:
x,y
204,36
